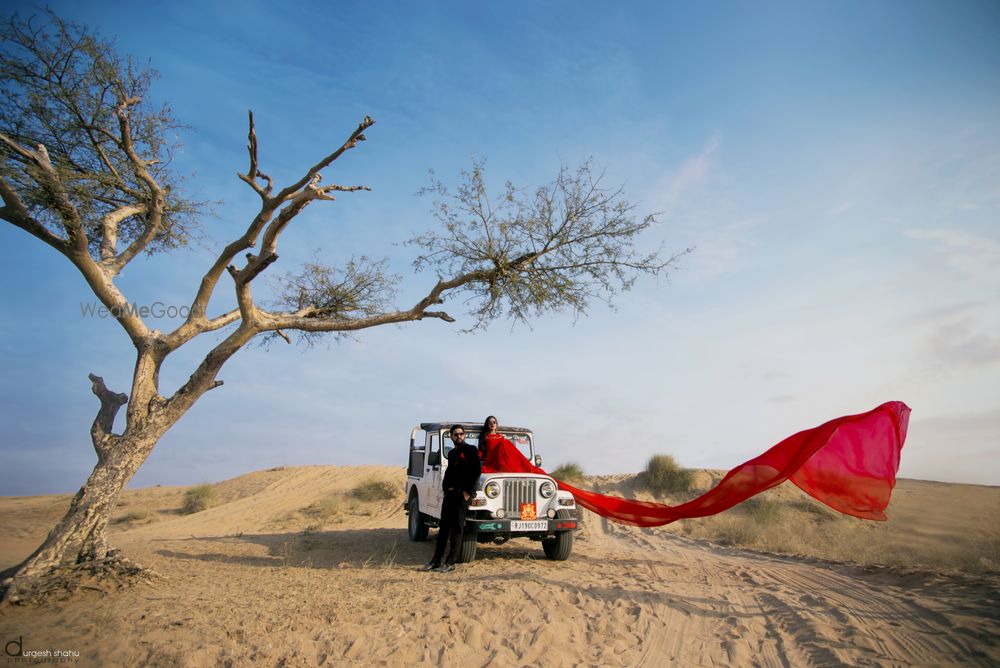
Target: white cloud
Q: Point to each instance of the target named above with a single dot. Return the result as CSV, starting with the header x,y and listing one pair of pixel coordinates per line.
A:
x,y
974,256
697,202
673,188
841,208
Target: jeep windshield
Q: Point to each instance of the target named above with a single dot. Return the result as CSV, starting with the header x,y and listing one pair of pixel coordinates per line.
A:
x,y
518,438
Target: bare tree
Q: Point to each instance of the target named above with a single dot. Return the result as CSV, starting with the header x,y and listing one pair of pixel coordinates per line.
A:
x,y
85,168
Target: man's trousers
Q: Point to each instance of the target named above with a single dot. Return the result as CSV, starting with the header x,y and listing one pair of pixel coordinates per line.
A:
x,y
451,525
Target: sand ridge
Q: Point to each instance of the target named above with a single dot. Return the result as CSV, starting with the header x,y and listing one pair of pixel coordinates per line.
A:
x,y
264,579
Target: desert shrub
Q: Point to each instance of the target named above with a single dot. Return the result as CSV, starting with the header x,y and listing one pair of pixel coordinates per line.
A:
x,y
374,489
568,471
819,512
762,510
136,515
982,554
328,506
736,532
198,498
664,474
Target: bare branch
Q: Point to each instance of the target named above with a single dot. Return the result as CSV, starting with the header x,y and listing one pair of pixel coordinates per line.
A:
x,y
208,282
256,266
109,227
352,141
252,147
315,320
203,379
15,212
253,173
269,243
47,177
298,196
436,314
25,153
155,208
221,321
111,403
322,192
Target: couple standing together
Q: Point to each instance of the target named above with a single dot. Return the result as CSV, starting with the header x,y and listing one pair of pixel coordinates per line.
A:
x,y
459,486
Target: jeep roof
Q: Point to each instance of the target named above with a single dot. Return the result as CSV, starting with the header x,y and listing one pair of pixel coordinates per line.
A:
x,y
468,426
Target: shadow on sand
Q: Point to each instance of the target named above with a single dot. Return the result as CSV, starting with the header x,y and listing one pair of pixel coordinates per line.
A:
x,y
350,548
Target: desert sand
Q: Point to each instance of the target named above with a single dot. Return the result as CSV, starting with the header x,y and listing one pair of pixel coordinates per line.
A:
x,y
289,569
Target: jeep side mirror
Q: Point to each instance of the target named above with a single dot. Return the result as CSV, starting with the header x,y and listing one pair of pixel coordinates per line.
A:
x,y
538,461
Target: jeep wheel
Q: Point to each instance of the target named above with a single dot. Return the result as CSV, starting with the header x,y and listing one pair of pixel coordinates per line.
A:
x,y
558,548
417,526
467,550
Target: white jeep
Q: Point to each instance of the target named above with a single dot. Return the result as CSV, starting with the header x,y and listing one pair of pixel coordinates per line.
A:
x,y
506,505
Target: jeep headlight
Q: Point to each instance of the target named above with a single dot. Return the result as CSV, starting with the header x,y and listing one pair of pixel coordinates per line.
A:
x,y
492,489
547,489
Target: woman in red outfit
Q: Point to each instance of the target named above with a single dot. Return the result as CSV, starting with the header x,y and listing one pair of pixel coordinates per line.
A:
x,y
488,433
499,454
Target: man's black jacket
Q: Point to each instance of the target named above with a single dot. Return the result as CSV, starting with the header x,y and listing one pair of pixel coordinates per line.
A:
x,y
463,470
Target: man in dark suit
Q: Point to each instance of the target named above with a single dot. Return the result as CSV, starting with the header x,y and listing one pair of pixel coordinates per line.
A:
x,y
459,485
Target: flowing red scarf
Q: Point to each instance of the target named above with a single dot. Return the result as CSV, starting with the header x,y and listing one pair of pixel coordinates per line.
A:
x,y
848,463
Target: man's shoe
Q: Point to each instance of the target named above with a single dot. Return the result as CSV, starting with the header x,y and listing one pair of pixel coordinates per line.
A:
x,y
447,568
430,566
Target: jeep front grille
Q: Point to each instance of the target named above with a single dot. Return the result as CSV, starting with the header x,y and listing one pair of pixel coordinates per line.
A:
x,y
516,492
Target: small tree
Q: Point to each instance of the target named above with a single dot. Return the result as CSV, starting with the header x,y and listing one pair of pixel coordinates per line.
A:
x,y
85,169
664,474
198,498
568,471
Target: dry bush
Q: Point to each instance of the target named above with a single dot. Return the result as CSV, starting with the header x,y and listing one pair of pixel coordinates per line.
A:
x,y
328,506
989,555
374,489
783,521
137,515
983,553
382,558
568,471
815,508
735,531
664,475
335,507
762,510
199,498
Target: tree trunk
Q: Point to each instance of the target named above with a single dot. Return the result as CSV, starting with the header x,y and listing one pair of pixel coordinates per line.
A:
x,y
81,535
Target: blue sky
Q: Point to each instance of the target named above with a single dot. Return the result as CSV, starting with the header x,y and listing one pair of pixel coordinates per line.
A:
x,y
835,165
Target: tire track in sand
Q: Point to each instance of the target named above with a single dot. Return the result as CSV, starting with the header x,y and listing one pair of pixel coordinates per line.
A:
x,y
734,607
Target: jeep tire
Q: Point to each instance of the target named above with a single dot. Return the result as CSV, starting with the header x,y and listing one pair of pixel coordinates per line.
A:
x,y
417,525
559,547
467,550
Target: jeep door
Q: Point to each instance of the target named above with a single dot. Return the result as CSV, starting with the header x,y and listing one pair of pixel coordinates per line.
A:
x,y
430,488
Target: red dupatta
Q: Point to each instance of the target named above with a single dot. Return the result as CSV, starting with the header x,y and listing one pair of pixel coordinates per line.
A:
x,y
848,463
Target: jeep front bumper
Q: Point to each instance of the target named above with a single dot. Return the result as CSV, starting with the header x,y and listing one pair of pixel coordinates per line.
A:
x,y
542,526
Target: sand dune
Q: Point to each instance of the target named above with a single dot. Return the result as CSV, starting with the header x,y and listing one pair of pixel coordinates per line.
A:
x,y
290,570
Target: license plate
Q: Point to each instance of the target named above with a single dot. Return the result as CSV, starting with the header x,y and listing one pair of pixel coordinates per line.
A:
x,y
539,525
